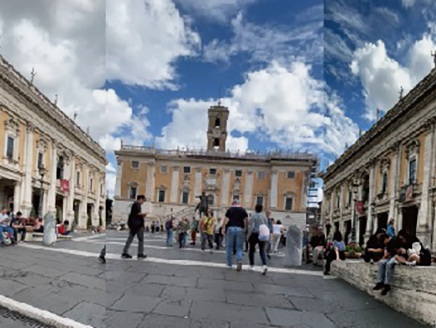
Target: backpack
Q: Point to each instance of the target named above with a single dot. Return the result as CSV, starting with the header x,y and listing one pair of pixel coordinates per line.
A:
x,y
169,225
264,232
7,238
425,256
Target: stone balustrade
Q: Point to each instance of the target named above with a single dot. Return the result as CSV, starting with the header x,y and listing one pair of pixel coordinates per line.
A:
x,y
413,288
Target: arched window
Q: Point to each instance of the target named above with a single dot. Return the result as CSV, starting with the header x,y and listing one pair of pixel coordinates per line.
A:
x,y
210,200
217,123
216,142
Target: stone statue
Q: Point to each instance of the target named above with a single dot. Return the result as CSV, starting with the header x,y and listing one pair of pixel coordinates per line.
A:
x,y
202,206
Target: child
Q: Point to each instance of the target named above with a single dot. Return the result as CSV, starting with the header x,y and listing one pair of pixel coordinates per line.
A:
x,y
63,228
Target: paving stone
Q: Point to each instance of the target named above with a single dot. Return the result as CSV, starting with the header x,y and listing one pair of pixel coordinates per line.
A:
x,y
228,312
10,287
308,304
135,303
164,321
174,293
153,290
282,290
126,277
259,300
88,313
84,280
197,294
173,308
172,281
122,319
225,285
46,271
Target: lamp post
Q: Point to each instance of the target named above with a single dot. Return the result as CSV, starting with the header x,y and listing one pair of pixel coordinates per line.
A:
x,y
353,228
41,191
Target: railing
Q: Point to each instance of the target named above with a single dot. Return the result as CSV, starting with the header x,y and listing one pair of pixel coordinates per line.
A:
x,y
273,155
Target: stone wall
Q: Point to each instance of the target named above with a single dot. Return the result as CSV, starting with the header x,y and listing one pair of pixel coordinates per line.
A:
x,y
413,289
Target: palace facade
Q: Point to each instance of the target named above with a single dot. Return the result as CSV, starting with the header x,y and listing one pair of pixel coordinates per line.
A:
x,y
47,163
173,179
390,172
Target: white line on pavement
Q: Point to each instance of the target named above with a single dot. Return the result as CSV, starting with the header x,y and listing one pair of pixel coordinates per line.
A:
x,y
42,316
168,261
89,237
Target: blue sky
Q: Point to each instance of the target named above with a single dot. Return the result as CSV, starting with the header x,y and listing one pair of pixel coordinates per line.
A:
x,y
295,75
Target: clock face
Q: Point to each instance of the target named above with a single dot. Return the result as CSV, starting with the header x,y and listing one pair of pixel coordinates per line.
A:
x,y
216,133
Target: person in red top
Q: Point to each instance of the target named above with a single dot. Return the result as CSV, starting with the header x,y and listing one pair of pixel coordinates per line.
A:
x,y
63,228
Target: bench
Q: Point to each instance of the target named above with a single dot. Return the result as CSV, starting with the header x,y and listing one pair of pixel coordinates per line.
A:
x,y
413,288
41,235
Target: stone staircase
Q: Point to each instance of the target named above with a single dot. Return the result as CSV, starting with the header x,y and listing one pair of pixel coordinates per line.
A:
x,y
187,212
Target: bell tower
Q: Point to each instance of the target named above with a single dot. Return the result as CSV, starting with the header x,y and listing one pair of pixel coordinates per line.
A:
x,y
217,131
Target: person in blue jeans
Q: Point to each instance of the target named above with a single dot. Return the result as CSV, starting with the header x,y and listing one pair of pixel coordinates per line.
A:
x,y
391,230
169,228
4,226
236,223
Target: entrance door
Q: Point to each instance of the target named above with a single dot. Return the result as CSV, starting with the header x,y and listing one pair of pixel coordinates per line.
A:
x,y
410,219
89,211
382,219
76,209
362,229
59,208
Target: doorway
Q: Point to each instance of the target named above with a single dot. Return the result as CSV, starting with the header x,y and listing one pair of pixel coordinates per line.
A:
x,y
410,219
347,225
76,209
382,219
362,229
59,208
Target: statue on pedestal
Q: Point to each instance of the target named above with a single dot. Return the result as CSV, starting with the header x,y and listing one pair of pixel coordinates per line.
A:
x,y
202,206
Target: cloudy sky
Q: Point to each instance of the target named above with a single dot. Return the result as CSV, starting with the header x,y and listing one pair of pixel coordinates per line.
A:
x,y
296,75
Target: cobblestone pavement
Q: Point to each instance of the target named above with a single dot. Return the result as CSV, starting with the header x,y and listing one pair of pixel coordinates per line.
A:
x,y
162,292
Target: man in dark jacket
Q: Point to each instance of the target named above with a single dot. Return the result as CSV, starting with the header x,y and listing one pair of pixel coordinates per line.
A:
x,y
318,244
136,226
375,247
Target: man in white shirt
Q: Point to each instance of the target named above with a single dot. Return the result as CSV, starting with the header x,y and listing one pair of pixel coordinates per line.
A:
x,y
5,226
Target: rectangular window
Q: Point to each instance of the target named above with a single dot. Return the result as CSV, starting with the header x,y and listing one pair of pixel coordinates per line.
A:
x,y
10,148
289,203
261,175
161,196
238,173
385,183
90,185
259,200
291,175
163,169
212,171
412,171
186,169
40,160
133,191
135,164
185,197
60,168
78,178
350,194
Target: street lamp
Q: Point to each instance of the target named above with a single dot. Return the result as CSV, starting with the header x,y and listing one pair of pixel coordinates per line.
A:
x,y
353,228
41,192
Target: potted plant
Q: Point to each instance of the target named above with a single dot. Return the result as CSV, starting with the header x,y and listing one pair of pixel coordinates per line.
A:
x,y
353,251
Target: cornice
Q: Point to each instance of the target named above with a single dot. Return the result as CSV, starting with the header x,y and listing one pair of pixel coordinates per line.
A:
x,y
38,102
415,100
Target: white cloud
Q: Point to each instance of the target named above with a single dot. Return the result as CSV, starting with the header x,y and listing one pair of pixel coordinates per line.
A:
x,y
218,10
267,42
408,3
382,77
111,179
284,105
143,41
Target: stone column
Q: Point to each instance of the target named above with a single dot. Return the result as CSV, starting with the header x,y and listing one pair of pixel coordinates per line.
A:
x,y
198,182
274,186
372,191
424,216
150,182
52,184
225,188
97,197
119,178
395,182
175,185
70,209
26,188
83,219
17,198
248,193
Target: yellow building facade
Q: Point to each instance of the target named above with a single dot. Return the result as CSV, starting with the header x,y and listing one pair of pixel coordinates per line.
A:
x,y
37,137
393,169
172,180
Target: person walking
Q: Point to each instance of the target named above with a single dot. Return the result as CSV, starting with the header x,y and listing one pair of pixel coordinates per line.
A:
x,y
270,227
169,226
183,230
278,229
194,229
136,226
236,222
254,225
207,225
218,234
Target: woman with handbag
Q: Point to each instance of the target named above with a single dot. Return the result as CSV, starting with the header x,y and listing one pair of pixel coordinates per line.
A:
x,y
258,233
